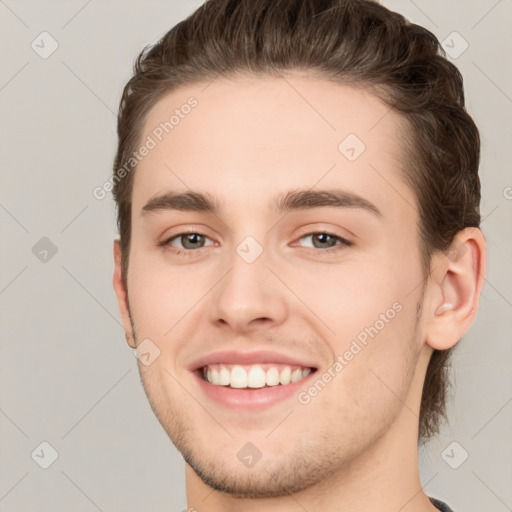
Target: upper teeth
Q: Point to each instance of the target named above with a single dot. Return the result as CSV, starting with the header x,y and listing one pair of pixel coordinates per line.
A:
x,y
253,376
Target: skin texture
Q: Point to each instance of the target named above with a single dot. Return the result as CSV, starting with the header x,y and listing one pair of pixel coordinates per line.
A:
x,y
249,141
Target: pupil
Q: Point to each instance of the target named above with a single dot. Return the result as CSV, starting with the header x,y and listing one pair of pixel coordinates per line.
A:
x,y
192,238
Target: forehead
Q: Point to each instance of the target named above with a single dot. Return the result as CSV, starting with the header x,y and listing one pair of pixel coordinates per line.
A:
x,y
245,137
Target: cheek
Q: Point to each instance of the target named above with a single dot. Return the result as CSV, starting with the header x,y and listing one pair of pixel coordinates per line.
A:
x,y
371,314
160,296
351,297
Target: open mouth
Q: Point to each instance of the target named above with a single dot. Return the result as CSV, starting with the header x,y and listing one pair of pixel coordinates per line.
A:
x,y
254,376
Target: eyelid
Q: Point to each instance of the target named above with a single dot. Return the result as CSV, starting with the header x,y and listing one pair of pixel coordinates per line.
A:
x,y
336,232
188,229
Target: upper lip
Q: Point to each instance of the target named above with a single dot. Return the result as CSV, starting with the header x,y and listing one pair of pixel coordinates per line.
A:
x,y
255,357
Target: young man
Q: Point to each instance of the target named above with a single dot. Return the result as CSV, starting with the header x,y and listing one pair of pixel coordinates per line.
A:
x,y
298,204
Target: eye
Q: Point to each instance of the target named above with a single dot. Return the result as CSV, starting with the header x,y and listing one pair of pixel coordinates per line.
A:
x,y
328,242
187,243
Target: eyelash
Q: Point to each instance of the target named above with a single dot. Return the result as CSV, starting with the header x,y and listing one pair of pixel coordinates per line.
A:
x,y
192,252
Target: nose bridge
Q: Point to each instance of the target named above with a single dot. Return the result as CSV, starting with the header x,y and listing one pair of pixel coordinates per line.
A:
x,y
249,291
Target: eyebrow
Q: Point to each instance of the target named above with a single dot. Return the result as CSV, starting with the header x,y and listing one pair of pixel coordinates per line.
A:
x,y
294,200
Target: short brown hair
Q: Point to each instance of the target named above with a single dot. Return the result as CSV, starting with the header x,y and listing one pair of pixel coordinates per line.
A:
x,y
355,42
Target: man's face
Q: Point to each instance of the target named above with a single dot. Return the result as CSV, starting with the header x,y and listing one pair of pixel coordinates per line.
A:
x,y
295,289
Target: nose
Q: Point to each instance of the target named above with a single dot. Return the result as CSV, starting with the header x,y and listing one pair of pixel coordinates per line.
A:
x,y
249,297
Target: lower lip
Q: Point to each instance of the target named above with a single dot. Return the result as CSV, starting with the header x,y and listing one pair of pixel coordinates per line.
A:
x,y
251,398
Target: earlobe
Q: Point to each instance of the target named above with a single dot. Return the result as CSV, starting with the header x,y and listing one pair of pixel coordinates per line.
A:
x,y
457,281
122,295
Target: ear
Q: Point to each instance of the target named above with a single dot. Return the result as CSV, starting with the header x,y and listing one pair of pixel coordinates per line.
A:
x,y
122,295
457,279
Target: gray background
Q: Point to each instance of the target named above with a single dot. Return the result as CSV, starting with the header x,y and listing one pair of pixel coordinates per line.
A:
x,y
67,376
